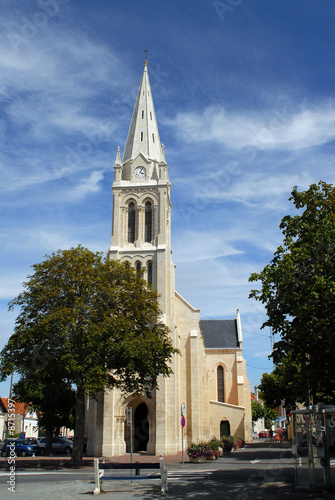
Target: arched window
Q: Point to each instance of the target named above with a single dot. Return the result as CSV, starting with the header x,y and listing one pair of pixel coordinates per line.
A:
x,y
131,223
148,222
127,264
149,273
220,382
138,266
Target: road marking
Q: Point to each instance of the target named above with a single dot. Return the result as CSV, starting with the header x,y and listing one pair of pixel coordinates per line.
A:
x,y
41,473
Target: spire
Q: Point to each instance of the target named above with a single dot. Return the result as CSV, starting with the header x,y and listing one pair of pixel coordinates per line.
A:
x,y
118,158
143,135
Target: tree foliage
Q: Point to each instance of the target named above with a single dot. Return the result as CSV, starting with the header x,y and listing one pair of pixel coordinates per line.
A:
x,y
51,396
285,383
257,410
270,415
298,290
261,410
95,322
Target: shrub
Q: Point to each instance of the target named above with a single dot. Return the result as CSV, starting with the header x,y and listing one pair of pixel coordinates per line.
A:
x,y
216,443
237,442
231,443
227,443
214,446
199,450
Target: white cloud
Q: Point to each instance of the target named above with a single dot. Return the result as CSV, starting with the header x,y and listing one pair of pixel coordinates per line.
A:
x,y
11,286
89,185
255,188
219,287
56,94
266,129
194,246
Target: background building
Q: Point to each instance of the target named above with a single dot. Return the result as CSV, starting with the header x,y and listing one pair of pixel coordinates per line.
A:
x,y
25,419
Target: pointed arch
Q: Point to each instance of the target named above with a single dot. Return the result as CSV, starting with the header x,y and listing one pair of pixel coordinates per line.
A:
x,y
141,424
131,222
144,426
220,383
149,272
148,222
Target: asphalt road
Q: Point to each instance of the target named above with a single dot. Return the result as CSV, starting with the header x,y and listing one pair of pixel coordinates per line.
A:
x,y
255,472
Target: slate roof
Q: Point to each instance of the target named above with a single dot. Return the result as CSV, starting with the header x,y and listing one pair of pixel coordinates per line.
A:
x,y
220,333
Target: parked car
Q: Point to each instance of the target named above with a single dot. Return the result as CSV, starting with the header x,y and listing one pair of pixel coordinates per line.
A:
x,y
22,448
263,434
59,444
31,441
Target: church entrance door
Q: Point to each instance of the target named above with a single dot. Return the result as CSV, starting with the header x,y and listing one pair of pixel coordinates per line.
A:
x,y
224,428
141,433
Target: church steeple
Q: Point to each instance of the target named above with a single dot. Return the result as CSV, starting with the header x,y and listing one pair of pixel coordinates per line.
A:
x,y
143,135
141,234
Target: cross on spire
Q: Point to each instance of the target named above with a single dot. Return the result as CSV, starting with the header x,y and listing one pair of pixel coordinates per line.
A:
x,y
143,135
146,52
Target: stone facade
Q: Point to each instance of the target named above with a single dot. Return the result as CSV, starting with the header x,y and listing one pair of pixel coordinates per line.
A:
x,y
210,379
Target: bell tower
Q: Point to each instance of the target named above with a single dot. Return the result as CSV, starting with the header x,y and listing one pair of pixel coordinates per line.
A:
x,y
141,236
141,232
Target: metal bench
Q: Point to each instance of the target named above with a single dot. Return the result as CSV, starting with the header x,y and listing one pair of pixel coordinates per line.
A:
x,y
99,469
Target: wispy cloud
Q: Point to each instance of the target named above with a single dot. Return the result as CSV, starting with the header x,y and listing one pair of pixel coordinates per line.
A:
x,y
89,185
195,246
256,188
255,120
261,129
56,112
11,286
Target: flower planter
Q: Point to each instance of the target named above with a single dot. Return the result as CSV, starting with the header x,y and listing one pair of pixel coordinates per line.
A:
x,y
211,457
197,460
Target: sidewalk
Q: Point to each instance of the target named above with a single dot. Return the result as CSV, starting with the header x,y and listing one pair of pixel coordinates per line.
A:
x,y
59,462
261,470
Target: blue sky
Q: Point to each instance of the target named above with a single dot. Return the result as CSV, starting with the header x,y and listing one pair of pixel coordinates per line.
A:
x,y
244,98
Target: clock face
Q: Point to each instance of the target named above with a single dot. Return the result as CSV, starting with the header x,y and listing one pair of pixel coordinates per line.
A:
x,y
140,172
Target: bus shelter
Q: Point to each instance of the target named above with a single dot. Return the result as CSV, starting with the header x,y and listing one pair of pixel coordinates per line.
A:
x,y
314,446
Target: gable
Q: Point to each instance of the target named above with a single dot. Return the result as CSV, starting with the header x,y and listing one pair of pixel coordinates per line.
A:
x,y
220,333
140,159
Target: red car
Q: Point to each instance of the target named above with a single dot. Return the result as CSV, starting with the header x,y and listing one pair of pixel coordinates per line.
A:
x,y
263,434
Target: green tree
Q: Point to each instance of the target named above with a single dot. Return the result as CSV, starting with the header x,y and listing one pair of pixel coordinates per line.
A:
x,y
96,320
257,410
51,396
285,383
270,416
298,290
261,410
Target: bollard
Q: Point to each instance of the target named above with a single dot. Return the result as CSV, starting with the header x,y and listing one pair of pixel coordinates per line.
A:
x,y
137,470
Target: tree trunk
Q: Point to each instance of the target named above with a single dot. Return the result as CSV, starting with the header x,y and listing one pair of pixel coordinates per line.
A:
x,y
79,428
48,440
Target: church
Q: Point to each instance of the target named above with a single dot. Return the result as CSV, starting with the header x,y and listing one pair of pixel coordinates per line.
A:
x,y
209,383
